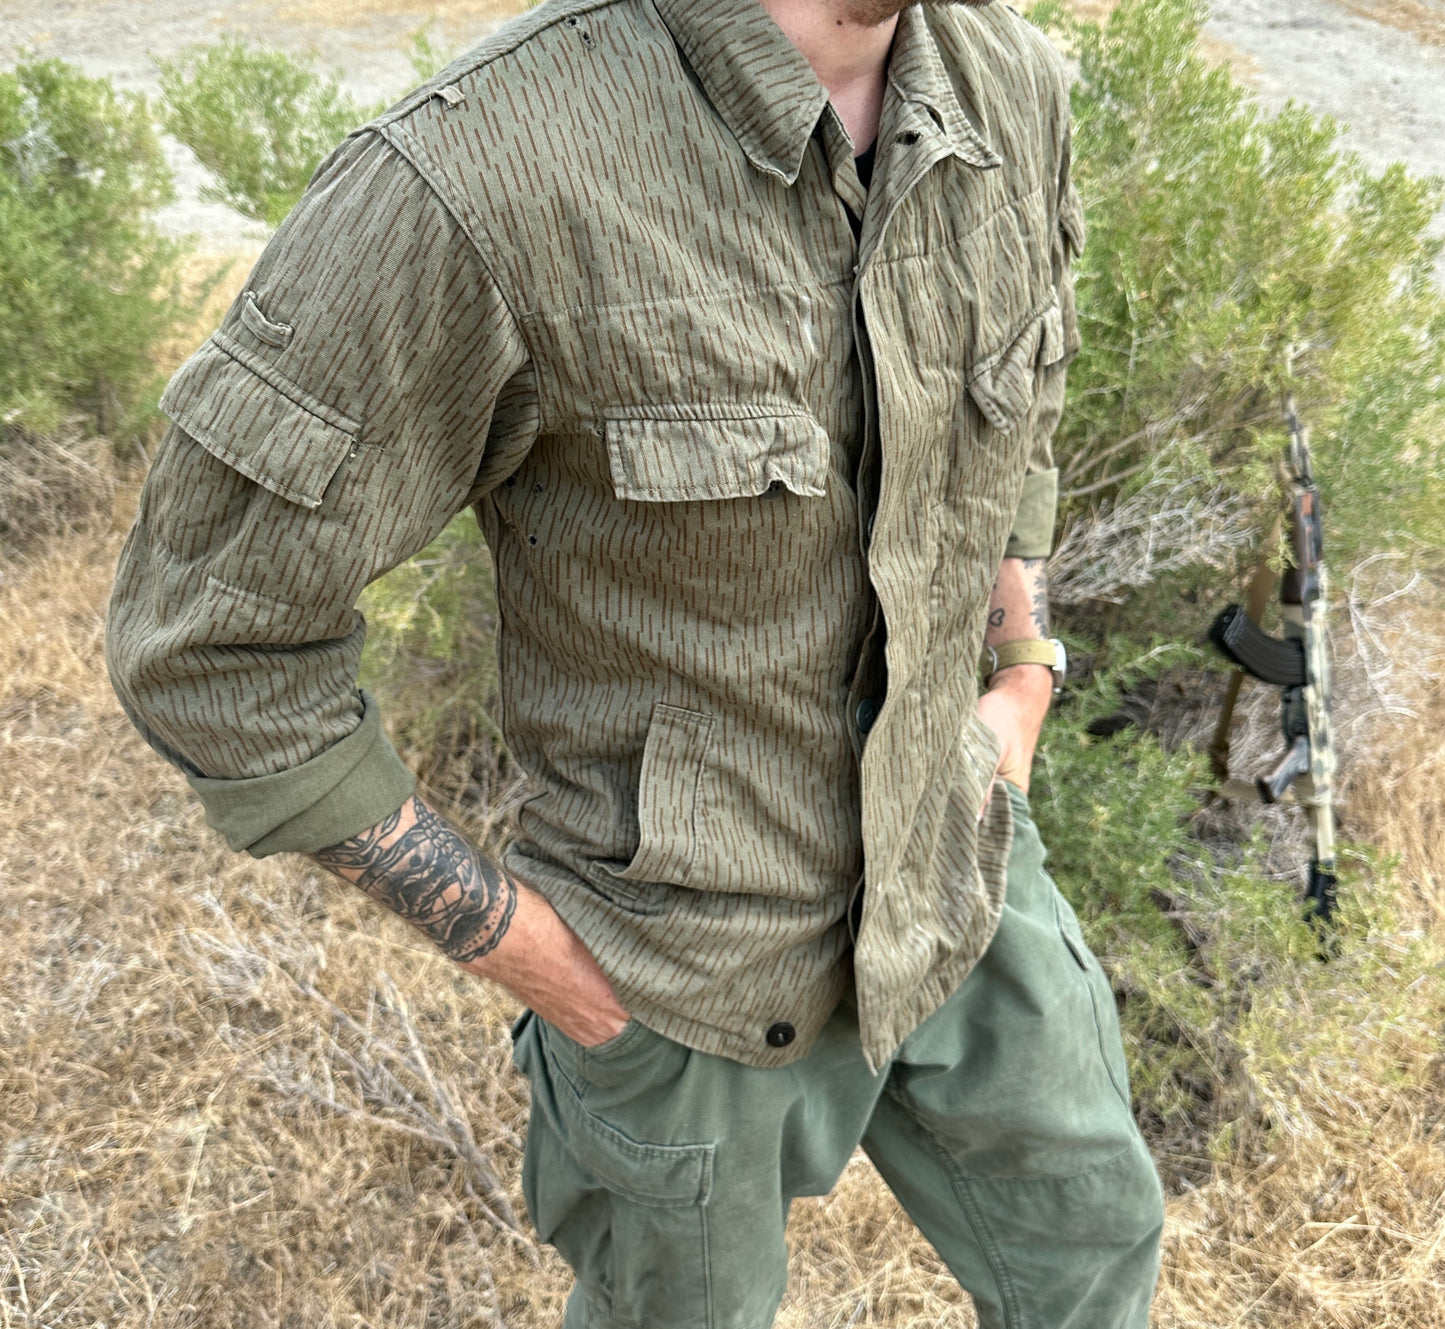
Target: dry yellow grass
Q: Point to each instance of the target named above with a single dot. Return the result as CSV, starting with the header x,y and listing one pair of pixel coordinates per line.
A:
x,y
1422,19
235,1094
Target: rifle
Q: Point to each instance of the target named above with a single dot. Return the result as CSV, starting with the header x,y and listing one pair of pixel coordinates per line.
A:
x,y
1298,663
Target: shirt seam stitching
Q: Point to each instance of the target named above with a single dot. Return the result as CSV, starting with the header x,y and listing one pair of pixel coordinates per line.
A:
x,y
413,151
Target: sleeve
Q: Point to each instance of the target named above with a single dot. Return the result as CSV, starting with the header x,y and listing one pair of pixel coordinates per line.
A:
x,y
345,410
1033,529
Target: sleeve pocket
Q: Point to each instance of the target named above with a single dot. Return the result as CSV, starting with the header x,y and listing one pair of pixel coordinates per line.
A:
x,y
688,453
1003,384
246,414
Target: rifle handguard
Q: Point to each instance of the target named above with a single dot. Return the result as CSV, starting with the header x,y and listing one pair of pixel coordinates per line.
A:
x,y
1276,660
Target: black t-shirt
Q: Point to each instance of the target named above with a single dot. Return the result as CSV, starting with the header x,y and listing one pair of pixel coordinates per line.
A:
x,y
863,164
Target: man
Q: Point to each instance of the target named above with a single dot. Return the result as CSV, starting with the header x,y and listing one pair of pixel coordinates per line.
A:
x,y
742,324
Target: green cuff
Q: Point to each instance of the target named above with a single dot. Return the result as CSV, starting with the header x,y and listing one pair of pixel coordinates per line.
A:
x,y
353,784
1033,532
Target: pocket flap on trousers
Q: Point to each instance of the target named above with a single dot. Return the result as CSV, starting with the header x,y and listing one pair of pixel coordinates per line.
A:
x,y
686,454
246,414
662,1175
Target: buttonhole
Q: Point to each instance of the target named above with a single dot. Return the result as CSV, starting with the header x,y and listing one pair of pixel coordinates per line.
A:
x,y
907,138
576,23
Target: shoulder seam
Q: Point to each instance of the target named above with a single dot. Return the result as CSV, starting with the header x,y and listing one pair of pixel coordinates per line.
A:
x,y
517,33
411,150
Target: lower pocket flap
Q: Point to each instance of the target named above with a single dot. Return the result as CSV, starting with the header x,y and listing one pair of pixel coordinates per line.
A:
x,y
258,425
681,455
665,1175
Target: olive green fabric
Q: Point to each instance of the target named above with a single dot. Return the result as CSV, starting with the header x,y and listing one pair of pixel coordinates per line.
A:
x,y
664,1175
746,482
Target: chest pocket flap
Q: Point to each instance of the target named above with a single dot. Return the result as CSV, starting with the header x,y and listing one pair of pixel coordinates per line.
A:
x,y
1002,385
699,453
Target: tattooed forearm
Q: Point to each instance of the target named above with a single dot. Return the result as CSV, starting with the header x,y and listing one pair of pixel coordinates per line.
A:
x,y
417,865
1036,579
1019,603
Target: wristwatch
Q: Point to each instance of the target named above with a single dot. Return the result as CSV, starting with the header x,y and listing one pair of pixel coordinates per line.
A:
x,y
1027,650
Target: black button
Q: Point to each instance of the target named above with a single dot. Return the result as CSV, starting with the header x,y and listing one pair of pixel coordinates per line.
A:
x,y
781,1034
866,713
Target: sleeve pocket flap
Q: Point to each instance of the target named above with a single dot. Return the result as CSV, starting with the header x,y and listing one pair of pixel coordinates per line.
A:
x,y
683,456
260,424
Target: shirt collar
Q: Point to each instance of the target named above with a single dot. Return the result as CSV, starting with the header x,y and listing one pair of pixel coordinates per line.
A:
x,y
756,79
917,74
769,97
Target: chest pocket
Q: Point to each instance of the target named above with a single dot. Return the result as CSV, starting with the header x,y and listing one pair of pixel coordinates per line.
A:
x,y
1003,385
700,452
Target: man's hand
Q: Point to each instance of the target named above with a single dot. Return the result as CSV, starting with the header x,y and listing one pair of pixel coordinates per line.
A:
x,y
422,868
1014,708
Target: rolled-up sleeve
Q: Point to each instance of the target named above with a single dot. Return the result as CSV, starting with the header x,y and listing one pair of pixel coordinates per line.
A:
x,y
1032,535
344,411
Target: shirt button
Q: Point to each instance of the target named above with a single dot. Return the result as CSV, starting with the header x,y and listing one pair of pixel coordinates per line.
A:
x,y
781,1034
866,714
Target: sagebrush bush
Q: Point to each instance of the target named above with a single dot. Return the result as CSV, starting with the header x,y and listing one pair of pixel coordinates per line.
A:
x,y
1236,1029
431,656
1234,255
87,283
260,121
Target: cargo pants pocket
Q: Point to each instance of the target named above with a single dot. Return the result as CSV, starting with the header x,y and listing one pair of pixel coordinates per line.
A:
x,y
628,1215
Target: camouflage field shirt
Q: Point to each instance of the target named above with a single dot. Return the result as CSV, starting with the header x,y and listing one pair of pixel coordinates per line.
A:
x,y
746,478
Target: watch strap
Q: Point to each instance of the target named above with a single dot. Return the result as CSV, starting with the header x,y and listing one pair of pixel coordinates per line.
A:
x,y
1026,650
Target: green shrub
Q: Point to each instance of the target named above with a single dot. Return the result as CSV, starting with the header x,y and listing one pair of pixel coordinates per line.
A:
x,y
1234,1027
1232,256
87,283
260,121
431,656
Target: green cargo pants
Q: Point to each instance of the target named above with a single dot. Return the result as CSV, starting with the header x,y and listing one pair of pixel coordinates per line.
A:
x,y
664,1175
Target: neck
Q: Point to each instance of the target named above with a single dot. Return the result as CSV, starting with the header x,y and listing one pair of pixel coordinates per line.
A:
x,y
847,44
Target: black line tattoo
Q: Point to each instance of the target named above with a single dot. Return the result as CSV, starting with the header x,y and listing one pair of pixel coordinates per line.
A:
x,y
1036,573
430,876
996,617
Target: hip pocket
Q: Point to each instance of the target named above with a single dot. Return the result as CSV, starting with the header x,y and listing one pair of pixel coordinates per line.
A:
x,y
627,1213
